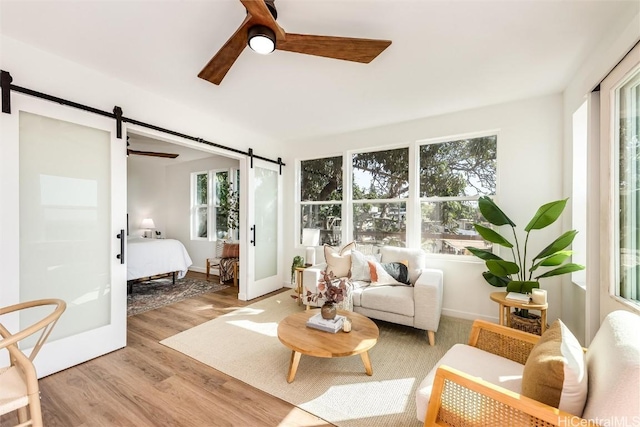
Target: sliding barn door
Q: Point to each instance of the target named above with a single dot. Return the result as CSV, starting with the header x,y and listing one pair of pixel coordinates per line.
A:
x,y
64,185
264,218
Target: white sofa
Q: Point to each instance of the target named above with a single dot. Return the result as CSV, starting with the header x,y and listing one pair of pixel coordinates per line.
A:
x,y
418,305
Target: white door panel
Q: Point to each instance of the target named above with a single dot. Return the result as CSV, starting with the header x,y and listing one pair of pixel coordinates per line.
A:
x,y
69,194
264,218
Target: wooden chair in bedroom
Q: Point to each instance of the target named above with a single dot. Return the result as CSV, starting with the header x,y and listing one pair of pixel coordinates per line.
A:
x,y
19,390
214,262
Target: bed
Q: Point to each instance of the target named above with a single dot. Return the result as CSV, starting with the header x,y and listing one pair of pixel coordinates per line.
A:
x,y
153,257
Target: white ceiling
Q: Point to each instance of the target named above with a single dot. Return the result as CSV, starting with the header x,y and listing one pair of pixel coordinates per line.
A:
x,y
445,56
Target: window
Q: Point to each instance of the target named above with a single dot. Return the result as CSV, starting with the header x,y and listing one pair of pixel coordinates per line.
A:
x,y
200,208
321,198
453,175
619,213
214,205
628,185
384,204
380,186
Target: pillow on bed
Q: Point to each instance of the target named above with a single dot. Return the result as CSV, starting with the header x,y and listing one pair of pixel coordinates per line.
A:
x,y
231,250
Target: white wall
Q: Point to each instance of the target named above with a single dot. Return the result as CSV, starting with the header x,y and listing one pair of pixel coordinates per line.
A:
x,y
42,71
529,175
578,311
146,193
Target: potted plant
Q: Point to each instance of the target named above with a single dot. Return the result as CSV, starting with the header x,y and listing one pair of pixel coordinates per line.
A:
x,y
522,273
298,261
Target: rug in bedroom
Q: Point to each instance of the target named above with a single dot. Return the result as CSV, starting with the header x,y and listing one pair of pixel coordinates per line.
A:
x,y
336,390
152,294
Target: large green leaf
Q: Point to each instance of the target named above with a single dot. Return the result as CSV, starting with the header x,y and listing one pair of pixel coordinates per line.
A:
x,y
567,268
557,245
482,253
502,267
497,281
492,213
522,286
491,236
552,260
547,214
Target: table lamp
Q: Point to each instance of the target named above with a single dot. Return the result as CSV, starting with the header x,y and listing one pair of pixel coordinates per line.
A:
x,y
147,224
310,239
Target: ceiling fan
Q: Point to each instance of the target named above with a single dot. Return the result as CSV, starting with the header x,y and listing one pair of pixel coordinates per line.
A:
x,y
149,153
260,31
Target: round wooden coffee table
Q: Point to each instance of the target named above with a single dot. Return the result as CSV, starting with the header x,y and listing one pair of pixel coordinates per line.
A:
x,y
294,334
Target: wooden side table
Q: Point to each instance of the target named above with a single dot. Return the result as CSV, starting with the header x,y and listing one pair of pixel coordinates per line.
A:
x,y
504,316
236,267
299,285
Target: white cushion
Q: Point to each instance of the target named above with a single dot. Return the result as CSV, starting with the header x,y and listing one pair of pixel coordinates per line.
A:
x,y
417,259
613,362
339,259
219,248
391,299
360,265
478,363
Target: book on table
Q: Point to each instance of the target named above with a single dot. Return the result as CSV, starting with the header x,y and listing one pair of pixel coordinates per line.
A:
x,y
328,325
516,296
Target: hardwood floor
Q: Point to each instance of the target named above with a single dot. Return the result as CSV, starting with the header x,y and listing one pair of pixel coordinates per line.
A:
x,y
148,384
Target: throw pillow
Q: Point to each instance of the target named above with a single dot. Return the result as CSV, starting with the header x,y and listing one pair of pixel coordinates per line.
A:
x,y
555,372
219,248
231,250
339,260
360,266
392,273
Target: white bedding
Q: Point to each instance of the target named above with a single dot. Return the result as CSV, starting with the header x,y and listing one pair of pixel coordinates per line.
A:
x,y
150,257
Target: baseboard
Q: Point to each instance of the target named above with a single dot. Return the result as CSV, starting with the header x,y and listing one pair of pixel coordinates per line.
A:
x,y
198,269
466,315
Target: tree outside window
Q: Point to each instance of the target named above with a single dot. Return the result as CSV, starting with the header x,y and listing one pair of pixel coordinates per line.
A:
x,y
215,207
380,183
321,198
453,175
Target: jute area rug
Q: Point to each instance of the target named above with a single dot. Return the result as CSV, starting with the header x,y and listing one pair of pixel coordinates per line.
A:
x,y
244,345
156,293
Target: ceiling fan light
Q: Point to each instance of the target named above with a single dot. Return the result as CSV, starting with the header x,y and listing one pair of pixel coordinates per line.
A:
x,y
262,39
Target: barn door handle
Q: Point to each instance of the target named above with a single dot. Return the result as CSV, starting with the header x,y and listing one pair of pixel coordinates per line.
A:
x,y
253,230
120,256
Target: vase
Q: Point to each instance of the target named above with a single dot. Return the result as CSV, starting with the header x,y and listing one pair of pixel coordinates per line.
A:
x,y
328,311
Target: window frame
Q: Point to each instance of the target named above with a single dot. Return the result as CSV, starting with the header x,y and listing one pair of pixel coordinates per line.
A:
x,y
212,205
413,201
609,174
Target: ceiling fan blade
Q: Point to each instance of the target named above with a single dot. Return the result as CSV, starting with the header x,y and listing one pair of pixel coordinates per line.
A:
x,y
345,48
262,16
153,154
221,63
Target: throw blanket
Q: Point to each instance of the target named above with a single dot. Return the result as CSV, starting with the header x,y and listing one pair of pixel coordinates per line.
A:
x,y
226,269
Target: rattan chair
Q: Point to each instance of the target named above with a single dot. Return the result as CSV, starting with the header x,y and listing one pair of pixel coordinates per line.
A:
x,y
19,389
612,361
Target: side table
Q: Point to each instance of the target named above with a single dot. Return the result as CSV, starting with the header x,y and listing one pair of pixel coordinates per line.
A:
x,y
504,315
299,285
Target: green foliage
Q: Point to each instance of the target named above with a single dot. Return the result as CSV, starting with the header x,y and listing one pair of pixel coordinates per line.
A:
x,y
298,261
229,203
502,272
